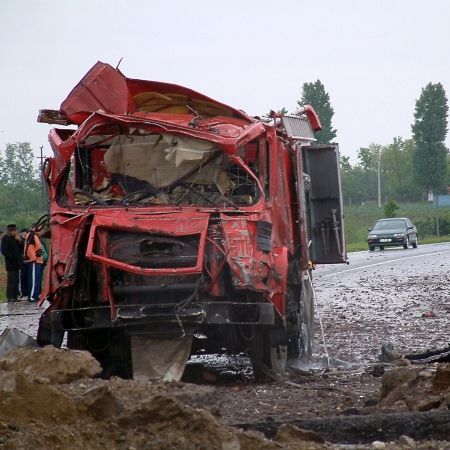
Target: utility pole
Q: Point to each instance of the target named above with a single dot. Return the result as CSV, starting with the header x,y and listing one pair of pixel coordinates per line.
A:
x,y
436,204
41,166
379,178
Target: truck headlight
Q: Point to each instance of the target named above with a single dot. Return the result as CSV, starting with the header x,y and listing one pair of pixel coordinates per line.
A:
x,y
399,234
372,236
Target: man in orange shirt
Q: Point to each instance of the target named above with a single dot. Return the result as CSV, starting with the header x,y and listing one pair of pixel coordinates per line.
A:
x,y
33,258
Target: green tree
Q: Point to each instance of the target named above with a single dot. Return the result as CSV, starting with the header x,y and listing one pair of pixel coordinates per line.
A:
x,y
314,94
344,162
18,166
19,181
429,132
370,162
354,185
397,170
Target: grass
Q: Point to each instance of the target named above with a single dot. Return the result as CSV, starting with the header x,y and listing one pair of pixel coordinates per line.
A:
x,y
359,218
2,280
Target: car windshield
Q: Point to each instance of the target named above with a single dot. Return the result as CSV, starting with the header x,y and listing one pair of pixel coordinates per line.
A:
x,y
389,224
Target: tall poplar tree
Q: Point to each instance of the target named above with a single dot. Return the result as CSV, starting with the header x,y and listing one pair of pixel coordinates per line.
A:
x,y
429,132
314,94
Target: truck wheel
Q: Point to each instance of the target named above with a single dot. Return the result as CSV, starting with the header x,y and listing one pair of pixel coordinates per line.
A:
x,y
300,343
268,352
46,335
110,347
371,248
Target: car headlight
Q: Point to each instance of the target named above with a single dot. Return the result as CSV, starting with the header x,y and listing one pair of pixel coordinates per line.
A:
x,y
372,236
399,234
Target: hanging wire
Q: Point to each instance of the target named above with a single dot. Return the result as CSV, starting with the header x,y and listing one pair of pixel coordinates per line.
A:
x,y
327,356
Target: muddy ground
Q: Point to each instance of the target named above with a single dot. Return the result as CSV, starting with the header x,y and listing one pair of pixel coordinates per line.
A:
x,y
50,400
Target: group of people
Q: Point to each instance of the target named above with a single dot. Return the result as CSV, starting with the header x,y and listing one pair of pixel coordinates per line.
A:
x,y
24,261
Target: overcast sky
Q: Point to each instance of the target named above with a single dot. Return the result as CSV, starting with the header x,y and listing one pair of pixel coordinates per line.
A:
x,y
373,57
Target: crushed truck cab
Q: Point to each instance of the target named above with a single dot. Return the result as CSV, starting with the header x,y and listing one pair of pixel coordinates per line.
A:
x,y
180,225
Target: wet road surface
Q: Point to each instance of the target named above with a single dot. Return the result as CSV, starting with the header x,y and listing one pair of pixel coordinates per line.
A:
x,y
398,296
23,315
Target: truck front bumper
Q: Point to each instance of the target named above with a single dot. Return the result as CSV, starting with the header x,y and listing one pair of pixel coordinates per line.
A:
x,y
148,317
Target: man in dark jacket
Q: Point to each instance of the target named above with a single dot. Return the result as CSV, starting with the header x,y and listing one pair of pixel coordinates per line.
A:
x,y
12,250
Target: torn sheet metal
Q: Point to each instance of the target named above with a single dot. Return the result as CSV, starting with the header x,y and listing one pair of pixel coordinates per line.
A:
x,y
12,338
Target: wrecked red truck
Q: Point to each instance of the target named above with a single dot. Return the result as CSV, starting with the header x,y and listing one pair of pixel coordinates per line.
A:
x,y
180,225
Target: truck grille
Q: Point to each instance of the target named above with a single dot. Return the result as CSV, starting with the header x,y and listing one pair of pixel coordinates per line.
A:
x,y
154,251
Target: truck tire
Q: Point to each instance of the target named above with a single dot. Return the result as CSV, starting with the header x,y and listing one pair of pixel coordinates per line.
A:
x,y
111,348
300,334
46,335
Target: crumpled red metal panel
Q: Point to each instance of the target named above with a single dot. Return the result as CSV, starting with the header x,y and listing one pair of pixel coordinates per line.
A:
x,y
106,89
248,265
102,88
174,224
63,258
251,268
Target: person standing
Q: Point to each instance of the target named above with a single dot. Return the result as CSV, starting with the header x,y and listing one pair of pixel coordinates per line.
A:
x,y
23,284
13,253
33,258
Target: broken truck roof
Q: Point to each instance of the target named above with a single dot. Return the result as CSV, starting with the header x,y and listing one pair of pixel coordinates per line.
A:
x,y
106,96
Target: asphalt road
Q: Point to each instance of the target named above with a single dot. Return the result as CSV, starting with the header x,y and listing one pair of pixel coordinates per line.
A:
x,y
365,260
397,296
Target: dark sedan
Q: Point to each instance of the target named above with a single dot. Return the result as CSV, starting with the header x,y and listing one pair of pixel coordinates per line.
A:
x,y
392,233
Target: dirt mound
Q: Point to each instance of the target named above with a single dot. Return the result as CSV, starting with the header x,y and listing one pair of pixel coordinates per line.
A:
x,y
50,364
48,401
416,389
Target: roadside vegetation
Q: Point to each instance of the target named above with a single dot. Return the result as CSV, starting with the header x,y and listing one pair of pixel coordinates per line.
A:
x,y
358,219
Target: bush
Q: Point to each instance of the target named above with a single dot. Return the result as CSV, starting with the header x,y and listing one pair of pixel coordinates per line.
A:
x,y
390,207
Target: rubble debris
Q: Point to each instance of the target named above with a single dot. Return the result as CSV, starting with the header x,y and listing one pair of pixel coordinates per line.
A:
x,y
362,429
51,365
415,389
407,441
390,355
288,433
50,396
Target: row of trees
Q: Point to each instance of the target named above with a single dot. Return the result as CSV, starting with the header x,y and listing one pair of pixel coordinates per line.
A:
x,y
406,169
